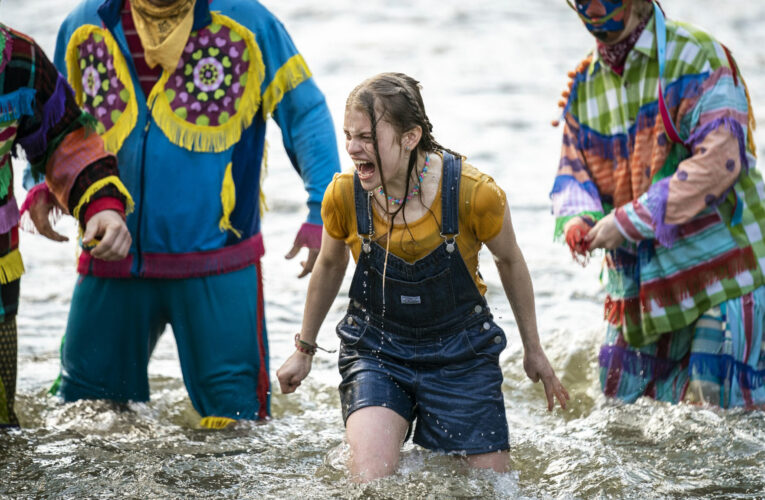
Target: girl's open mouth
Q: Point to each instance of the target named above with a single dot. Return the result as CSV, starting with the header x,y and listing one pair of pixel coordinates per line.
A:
x,y
365,169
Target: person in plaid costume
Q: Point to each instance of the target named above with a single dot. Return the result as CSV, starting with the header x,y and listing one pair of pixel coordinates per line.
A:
x,y
658,168
38,112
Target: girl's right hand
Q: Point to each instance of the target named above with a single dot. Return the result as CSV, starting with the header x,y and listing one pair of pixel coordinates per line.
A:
x,y
538,368
293,371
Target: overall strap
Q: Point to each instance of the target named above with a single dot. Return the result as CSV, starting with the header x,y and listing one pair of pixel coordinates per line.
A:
x,y
450,194
361,199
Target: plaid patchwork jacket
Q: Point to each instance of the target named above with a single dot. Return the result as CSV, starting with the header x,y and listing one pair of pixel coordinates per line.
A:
x,y
692,213
38,112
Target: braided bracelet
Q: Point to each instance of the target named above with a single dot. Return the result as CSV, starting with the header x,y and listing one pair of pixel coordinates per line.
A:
x,y
308,348
303,346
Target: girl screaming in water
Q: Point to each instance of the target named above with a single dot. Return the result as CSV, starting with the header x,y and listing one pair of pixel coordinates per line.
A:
x,y
418,343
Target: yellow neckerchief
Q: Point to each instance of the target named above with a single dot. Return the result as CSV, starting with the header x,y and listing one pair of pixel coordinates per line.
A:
x,y
163,31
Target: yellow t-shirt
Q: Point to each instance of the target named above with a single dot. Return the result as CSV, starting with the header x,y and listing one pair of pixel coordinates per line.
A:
x,y
481,212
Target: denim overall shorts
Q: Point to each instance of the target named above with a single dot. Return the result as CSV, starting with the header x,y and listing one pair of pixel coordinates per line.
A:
x,y
424,345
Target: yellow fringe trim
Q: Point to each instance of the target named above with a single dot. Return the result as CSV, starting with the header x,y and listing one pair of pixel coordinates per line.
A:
x,y
228,200
113,180
216,422
220,137
115,136
11,267
294,72
263,172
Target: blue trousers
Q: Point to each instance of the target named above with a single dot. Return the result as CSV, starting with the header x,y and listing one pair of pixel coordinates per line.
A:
x,y
219,328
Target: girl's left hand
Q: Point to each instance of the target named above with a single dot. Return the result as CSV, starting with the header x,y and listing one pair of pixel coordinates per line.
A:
x,y
604,234
538,368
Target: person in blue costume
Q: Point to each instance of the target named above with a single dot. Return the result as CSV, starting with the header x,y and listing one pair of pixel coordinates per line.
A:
x,y
418,343
182,91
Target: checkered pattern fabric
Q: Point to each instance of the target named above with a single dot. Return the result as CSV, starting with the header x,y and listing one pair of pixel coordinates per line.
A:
x,y
615,153
8,350
719,359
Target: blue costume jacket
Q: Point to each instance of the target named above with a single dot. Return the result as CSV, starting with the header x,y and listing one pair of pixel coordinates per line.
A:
x,y
190,153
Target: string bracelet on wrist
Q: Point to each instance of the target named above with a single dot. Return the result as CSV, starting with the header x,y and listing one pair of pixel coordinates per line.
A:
x,y
307,347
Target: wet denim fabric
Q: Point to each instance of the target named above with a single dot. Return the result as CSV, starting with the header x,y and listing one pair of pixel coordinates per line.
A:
x,y
427,347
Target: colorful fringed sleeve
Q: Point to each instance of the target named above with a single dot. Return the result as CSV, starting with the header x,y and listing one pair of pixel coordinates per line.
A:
x,y
699,227
574,193
61,143
718,147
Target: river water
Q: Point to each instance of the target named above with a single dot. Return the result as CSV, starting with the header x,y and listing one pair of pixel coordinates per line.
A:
x,y
491,71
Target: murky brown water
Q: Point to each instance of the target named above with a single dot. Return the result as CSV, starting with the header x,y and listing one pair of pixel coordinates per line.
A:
x,y
491,72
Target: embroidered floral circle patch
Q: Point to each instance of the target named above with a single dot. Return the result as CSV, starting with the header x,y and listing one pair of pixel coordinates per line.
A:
x,y
105,97
208,84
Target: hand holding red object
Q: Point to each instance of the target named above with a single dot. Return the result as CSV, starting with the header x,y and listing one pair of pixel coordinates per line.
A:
x,y
576,230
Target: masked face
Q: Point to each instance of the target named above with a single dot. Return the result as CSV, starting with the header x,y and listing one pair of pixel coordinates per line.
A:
x,y
605,19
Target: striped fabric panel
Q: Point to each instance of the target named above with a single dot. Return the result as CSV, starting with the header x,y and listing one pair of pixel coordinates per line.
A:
x,y
720,96
623,272
672,317
688,252
643,320
634,221
751,193
147,76
718,360
573,198
7,136
657,370
625,226
75,153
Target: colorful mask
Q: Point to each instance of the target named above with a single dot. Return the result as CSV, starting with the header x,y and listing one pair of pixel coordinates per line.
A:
x,y
605,23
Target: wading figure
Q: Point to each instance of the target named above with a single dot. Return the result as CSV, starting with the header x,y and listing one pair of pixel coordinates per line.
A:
x,y
38,112
182,90
658,168
418,342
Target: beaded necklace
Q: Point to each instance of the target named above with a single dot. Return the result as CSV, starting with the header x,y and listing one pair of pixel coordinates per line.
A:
x,y
415,189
